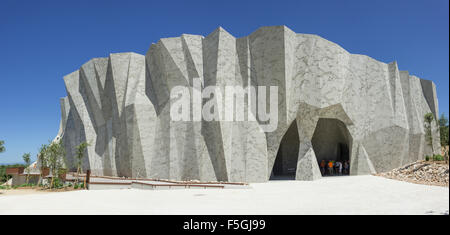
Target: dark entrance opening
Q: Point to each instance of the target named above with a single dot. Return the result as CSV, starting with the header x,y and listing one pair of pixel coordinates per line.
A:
x,y
285,165
331,142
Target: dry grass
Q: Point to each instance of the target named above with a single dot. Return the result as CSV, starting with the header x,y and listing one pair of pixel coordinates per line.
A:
x,y
33,190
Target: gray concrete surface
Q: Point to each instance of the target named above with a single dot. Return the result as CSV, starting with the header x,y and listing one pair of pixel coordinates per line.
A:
x,y
329,195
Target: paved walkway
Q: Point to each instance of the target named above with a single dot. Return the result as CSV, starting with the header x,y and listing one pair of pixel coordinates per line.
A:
x,y
330,195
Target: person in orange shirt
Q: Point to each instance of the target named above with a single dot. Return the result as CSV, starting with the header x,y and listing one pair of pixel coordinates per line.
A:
x,y
330,167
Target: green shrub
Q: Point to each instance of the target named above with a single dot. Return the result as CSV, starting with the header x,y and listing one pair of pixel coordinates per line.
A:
x,y
78,186
57,183
438,157
427,158
25,185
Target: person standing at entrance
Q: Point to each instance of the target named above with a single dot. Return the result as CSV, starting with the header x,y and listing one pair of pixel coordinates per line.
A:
x,y
346,167
330,167
322,167
339,168
336,167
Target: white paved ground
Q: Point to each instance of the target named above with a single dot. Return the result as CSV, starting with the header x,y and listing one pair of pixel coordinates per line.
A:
x,y
333,195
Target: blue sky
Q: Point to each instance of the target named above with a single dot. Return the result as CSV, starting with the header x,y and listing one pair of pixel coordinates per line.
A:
x,y
41,41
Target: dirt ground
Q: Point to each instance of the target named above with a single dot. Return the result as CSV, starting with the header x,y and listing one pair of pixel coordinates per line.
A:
x,y
11,192
31,190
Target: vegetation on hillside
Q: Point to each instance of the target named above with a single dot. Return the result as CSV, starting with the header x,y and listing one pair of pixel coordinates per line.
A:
x,y
444,131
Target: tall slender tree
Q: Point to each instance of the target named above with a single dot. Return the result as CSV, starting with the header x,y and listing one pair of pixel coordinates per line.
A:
x,y
80,150
443,129
428,118
444,134
56,158
2,147
27,159
42,160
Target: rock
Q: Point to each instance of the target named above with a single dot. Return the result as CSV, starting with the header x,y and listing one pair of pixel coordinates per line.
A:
x,y
418,172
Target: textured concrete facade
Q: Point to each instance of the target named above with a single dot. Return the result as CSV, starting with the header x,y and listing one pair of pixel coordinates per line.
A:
x,y
121,106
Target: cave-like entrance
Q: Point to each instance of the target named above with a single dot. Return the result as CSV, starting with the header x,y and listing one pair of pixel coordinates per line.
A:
x,y
285,165
331,142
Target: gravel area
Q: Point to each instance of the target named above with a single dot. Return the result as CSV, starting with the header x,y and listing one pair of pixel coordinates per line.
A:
x,y
330,195
421,172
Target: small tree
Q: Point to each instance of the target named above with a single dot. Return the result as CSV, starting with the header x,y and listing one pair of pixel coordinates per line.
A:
x,y
80,149
3,149
27,159
428,118
56,158
42,160
443,129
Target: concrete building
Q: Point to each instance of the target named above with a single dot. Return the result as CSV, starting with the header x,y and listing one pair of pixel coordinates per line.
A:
x,y
332,105
19,175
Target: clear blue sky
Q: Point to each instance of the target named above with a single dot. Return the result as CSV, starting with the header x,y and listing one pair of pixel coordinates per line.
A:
x,y
41,41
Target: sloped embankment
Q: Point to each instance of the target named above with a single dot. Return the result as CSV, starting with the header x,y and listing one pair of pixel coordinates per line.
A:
x,y
421,172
